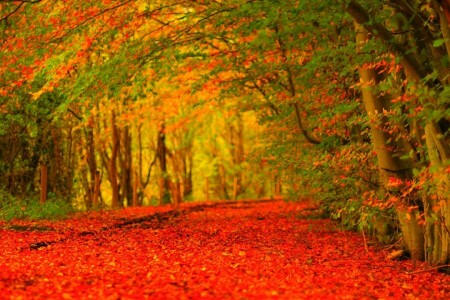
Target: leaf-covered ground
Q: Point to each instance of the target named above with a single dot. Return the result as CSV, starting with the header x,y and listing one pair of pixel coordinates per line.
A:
x,y
265,250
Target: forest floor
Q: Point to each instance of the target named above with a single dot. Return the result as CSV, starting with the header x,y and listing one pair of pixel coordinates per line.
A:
x,y
248,250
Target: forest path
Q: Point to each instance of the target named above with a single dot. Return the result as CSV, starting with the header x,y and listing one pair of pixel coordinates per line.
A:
x,y
248,250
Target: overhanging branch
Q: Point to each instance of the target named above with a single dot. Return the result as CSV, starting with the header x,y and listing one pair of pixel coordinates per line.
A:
x,y
408,61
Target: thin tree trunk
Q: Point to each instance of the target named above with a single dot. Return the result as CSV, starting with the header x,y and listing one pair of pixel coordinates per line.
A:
x,y
113,174
97,184
164,195
222,182
92,164
44,183
70,159
136,184
187,171
238,143
278,187
207,189
55,163
126,162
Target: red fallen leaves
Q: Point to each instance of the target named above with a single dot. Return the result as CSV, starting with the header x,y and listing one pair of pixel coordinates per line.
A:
x,y
236,251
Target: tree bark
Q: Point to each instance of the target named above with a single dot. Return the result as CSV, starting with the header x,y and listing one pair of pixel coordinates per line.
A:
x,y
164,195
278,187
222,178
125,158
408,61
136,184
390,151
187,171
44,183
97,185
438,208
207,189
238,155
91,186
113,174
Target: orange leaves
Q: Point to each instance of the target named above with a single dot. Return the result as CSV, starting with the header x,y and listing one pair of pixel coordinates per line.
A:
x,y
19,43
384,66
26,72
395,182
55,21
88,42
218,250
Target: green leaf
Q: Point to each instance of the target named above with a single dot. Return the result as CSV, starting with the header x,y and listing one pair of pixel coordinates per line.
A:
x,y
439,42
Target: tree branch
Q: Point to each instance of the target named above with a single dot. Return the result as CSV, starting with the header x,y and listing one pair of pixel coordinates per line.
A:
x,y
409,62
291,88
5,18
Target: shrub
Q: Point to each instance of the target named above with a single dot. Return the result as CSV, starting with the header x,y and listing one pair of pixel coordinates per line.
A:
x,y
31,209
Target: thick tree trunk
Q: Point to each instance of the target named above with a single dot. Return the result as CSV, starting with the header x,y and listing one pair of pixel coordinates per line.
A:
x,y
390,151
176,192
437,209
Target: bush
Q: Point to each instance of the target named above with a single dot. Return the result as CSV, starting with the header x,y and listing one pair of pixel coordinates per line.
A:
x,y
12,208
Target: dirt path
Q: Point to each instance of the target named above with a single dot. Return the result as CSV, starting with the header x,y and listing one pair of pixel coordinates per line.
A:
x,y
268,250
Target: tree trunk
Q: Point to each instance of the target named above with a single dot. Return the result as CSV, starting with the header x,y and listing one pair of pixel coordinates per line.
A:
x,y
54,164
393,166
97,184
164,195
113,174
278,187
437,209
44,183
207,189
70,159
187,172
176,192
126,162
222,178
238,143
91,185
136,184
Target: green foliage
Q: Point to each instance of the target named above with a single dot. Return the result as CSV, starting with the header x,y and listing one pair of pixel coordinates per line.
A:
x,y
31,209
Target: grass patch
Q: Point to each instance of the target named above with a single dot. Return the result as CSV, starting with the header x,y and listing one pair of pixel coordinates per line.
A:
x,y
32,210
